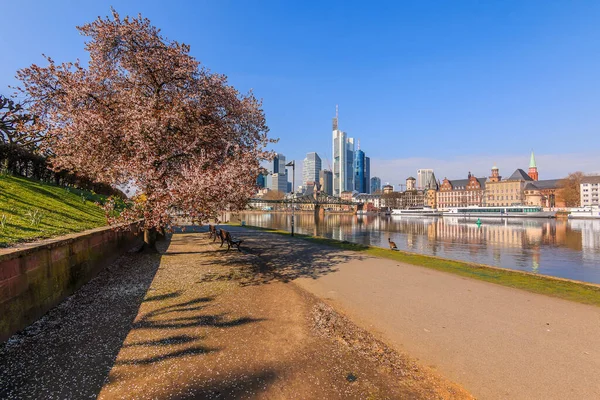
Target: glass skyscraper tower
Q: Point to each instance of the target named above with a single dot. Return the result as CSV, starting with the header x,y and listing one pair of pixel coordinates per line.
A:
x,y
362,171
343,159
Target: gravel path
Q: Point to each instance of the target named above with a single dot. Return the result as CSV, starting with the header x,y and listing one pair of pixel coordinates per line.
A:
x,y
200,322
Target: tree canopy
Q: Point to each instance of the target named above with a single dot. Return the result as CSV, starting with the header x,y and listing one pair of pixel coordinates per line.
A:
x,y
14,121
569,188
144,112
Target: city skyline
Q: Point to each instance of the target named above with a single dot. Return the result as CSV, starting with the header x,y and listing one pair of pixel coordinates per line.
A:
x,y
395,172
470,74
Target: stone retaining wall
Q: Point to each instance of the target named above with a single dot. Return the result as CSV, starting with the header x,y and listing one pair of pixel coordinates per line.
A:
x,y
36,277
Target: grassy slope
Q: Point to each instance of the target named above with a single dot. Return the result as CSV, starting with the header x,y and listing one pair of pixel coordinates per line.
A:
x,y
60,211
565,289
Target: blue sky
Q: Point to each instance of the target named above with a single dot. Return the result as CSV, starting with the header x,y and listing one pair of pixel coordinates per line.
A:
x,y
454,86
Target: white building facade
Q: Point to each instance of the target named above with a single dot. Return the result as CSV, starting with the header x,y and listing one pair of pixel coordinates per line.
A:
x,y
343,160
589,191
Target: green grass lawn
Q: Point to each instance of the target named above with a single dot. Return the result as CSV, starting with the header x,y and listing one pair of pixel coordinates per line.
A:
x,y
570,290
32,210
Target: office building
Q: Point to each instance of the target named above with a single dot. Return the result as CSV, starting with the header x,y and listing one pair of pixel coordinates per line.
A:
x,y
278,164
367,175
261,181
277,179
362,170
311,169
375,184
279,182
326,181
359,171
423,177
343,159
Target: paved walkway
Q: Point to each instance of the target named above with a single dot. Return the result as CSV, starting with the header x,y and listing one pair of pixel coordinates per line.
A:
x,y
498,342
199,322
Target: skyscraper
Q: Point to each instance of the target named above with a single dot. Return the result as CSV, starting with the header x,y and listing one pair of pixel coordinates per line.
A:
x,y
343,159
311,169
278,178
326,181
423,177
362,171
261,181
375,184
278,165
367,175
359,170
279,182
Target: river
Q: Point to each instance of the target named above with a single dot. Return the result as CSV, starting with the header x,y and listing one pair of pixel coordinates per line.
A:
x,y
563,248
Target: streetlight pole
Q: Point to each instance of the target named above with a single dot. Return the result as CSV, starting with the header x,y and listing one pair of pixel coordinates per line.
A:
x,y
293,165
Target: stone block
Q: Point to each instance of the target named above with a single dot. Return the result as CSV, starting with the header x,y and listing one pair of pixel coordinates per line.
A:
x,y
10,268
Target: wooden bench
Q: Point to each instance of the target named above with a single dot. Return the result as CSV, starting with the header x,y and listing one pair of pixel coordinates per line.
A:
x,y
231,241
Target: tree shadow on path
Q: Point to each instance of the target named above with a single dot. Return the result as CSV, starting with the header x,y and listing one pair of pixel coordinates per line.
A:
x,y
70,351
273,257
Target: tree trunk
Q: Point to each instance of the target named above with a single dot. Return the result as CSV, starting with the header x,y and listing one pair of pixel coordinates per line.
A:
x,y
149,241
161,234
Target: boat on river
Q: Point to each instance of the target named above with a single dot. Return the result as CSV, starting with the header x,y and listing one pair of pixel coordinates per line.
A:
x,y
591,212
417,212
500,212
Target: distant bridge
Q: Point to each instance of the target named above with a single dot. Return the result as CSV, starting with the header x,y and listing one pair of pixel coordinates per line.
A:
x,y
317,201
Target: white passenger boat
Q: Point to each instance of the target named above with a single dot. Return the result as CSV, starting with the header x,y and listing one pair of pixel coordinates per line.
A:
x,y
417,212
585,212
501,212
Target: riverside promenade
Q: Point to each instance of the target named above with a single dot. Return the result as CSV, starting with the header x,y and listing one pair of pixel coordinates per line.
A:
x,y
196,321
498,342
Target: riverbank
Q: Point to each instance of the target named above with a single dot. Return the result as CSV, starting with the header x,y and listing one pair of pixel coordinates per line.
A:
x,y
496,341
197,321
580,292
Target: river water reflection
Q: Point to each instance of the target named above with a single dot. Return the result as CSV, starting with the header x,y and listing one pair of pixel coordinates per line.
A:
x,y
563,248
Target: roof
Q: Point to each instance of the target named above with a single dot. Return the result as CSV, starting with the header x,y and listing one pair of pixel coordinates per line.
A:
x,y
532,161
541,185
519,175
456,183
547,184
530,186
591,179
411,178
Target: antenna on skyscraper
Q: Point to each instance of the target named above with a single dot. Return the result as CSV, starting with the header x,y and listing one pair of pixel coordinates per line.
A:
x,y
335,120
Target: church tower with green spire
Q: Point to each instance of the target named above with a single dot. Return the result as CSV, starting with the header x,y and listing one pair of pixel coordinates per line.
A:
x,y
533,172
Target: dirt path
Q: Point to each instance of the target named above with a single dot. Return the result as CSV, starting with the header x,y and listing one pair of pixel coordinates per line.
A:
x,y
500,343
199,322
